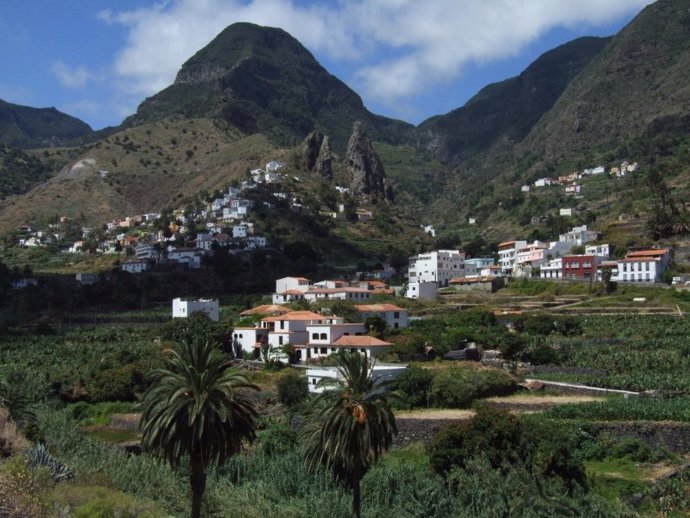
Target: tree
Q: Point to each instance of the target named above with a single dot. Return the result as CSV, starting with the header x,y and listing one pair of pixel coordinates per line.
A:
x,y
353,423
195,407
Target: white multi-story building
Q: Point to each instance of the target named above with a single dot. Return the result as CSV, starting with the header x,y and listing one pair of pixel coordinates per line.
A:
x,y
602,250
439,266
579,235
240,230
290,289
507,253
134,266
643,266
552,270
182,308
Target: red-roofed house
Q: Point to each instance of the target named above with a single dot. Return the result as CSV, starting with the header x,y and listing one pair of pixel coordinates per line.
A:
x,y
392,315
347,293
290,289
643,266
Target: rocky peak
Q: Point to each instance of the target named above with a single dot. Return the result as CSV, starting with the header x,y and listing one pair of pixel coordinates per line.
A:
x,y
316,154
364,165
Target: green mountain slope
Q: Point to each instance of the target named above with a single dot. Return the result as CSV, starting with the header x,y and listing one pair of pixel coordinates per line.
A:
x,y
23,126
508,110
636,87
262,80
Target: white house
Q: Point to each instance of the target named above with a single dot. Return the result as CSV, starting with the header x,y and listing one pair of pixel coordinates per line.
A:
x,y
289,289
552,270
291,328
507,253
524,188
439,266
256,242
345,293
579,235
250,338
145,251
134,266
421,290
188,256
203,241
602,250
643,266
429,229
274,166
565,211
239,231
182,308
334,335
380,372
394,316
543,182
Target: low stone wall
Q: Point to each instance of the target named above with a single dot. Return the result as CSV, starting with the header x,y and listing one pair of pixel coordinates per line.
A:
x,y
672,436
420,430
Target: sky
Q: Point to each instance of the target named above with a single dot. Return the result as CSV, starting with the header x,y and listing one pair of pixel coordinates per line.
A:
x,y
407,59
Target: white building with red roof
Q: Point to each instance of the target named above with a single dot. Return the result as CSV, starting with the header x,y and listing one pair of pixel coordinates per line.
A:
x,y
395,317
344,293
643,266
290,289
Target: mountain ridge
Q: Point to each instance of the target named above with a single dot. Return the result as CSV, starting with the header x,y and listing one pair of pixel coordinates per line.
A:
x,y
28,127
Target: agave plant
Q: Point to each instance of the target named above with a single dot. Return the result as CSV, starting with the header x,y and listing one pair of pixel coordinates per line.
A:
x,y
40,456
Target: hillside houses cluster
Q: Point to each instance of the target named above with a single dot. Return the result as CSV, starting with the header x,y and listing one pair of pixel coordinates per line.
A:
x,y
551,259
570,181
143,243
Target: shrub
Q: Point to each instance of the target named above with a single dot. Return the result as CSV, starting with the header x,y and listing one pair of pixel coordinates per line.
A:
x,y
293,388
278,439
493,434
458,387
414,386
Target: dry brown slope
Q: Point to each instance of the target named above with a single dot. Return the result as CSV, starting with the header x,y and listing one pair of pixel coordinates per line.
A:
x,y
148,167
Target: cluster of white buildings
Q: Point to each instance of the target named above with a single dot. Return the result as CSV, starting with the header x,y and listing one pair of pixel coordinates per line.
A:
x,y
519,258
292,289
570,181
312,336
268,174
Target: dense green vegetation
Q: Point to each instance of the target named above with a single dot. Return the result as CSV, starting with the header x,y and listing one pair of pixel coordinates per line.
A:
x,y
641,352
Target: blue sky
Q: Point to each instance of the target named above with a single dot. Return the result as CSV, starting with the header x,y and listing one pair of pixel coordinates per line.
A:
x,y
408,59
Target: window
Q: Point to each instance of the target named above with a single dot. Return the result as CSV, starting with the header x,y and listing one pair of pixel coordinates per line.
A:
x,y
280,340
315,336
324,350
316,350
324,336
395,325
396,314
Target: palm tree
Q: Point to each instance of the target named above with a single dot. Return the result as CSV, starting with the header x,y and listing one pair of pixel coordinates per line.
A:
x,y
353,424
195,407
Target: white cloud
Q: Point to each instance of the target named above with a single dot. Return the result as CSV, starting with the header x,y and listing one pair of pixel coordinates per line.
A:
x,y
397,48
72,77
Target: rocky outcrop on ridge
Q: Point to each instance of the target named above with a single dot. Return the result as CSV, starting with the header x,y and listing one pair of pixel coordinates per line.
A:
x,y
364,166
316,155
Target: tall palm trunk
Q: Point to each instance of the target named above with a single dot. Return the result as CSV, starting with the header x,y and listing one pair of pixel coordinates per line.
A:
x,y
198,481
356,497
